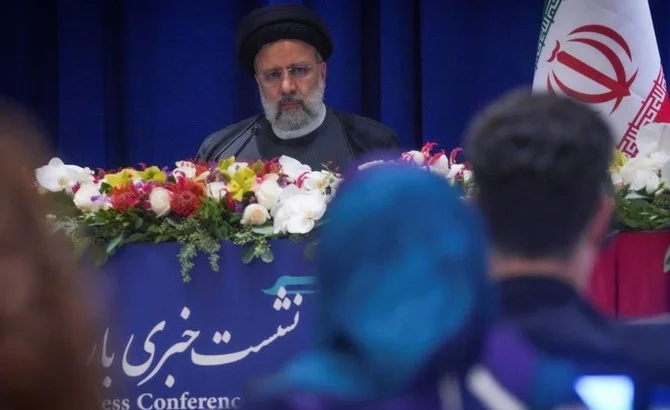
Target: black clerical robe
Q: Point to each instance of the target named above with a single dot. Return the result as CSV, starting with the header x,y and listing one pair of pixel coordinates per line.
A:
x,y
341,139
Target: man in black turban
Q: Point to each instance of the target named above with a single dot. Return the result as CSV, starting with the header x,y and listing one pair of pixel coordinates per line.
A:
x,y
285,47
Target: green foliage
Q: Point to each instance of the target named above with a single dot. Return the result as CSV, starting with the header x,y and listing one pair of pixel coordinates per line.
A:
x,y
636,212
99,235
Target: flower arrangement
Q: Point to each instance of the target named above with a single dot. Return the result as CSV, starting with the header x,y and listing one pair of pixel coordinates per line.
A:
x,y
458,174
642,183
198,205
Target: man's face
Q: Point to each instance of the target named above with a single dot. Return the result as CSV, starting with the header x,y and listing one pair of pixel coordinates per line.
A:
x,y
291,81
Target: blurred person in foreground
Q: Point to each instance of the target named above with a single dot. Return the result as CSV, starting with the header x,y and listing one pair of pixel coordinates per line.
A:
x,y
541,165
46,328
405,310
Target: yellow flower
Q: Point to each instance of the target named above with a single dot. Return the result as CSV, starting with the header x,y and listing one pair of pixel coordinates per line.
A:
x,y
224,164
241,183
618,161
258,166
152,174
123,177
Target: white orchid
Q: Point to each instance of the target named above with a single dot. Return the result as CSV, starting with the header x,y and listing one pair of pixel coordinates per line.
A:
x,y
418,157
216,190
317,181
640,173
267,193
649,171
185,169
88,198
441,166
653,141
293,168
57,176
298,211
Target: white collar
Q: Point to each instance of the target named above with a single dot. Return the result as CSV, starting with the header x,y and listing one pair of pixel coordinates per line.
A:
x,y
301,132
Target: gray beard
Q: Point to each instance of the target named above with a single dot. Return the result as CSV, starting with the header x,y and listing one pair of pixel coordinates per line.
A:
x,y
295,119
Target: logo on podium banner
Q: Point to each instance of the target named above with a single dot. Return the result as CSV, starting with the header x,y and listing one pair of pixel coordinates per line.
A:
x,y
162,365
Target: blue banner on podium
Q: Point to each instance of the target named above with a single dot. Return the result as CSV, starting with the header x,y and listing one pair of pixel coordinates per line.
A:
x,y
198,345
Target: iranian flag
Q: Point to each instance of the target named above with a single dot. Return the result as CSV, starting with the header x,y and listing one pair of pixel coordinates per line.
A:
x,y
604,53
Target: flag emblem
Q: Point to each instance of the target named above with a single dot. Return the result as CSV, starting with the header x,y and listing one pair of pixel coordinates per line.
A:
x,y
613,89
604,53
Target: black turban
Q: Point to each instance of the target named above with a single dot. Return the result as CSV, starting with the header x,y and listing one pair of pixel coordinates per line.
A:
x,y
268,24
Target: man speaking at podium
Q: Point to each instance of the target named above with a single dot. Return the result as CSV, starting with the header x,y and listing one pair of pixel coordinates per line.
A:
x,y
285,47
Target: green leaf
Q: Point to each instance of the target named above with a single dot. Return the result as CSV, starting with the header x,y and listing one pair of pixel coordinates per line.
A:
x,y
263,230
162,238
635,195
114,244
136,237
666,261
249,255
267,256
222,232
138,223
105,187
154,228
61,204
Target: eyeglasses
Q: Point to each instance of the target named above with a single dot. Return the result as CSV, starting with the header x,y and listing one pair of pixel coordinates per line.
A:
x,y
295,71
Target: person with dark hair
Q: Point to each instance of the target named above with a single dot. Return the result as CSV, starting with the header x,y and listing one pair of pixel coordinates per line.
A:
x,y
407,317
47,327
286,48
541,164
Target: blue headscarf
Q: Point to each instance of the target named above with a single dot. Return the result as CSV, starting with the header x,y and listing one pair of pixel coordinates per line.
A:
x,y
402,274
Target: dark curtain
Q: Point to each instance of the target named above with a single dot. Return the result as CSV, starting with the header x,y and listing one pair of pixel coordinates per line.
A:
x,y
119,82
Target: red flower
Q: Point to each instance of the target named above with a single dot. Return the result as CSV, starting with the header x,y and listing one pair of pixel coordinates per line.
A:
x,y
201,167
186,196
76,187
428,148
273,166
125,197
230,202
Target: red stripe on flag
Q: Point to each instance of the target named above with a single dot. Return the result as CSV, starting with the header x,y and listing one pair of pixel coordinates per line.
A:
x,y
655,108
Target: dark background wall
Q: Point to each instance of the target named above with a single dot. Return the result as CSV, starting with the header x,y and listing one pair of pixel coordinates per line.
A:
x,y
124,81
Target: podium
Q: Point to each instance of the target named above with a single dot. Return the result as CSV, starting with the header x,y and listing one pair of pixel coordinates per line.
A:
x,y
198,345
201,344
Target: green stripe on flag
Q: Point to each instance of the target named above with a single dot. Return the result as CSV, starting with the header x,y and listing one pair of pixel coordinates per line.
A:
x,y
550,8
